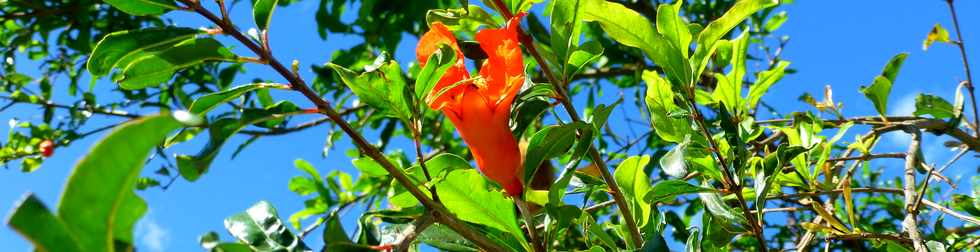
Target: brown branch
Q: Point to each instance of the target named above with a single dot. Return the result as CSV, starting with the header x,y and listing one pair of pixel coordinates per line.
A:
x,y
872,236
296,83
413,231
910,223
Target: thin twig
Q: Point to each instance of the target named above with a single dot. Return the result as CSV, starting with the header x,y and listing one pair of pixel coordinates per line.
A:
x,y
966,67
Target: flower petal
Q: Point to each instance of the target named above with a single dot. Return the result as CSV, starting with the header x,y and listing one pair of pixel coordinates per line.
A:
x,y
504,68
429,43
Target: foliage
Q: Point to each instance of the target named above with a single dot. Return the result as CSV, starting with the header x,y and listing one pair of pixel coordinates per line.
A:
x,y
709,163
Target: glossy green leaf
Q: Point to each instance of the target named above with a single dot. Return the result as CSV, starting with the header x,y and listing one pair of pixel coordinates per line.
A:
x,y
660,102
143,7
548,143
721,26
527,113
655,243
693,241
442,237
209,101
261,228
32,219
632,29
635,185
775,22
670,24
764,81
937,34
893,66
468,19
262,12
667,190
466,194
566,27
878,93
122,44
98,203
382,88
437,65
927,104
579,58
151,69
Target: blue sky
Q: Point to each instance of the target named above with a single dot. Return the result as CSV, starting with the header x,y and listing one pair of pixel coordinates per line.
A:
x,y
840,43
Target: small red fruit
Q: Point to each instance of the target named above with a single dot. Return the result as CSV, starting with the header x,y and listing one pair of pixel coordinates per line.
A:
x,y
47,148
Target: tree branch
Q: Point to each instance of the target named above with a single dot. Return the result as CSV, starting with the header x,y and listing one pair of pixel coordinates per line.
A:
x,y
297,84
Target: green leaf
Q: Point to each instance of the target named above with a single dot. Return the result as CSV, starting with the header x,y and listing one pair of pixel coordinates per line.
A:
x,y
775,22
894,64
721,26
667,190
154,68
209,101
548,143
635,185
878,93
580,57
764,81
939,108
122,44
670,24
468,19
660,102
369,167
693,241
566,27
731,93
526,113
143,7
442,237
601,114
465,194
937,34
261,228
32,219
382,88
436,66
632,29
262,12
656,243
98,204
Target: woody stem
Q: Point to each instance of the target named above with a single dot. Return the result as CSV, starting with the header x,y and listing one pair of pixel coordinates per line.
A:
x,y
573,114
296,83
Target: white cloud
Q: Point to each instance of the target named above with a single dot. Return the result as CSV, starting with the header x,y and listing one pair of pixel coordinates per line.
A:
x,y
902,107
151,235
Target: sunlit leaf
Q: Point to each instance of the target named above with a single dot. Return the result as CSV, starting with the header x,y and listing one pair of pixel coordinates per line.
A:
x,y
261,228
262,12
122,44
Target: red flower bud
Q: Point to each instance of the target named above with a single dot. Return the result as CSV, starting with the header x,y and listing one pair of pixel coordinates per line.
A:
x,y
480,109
47,148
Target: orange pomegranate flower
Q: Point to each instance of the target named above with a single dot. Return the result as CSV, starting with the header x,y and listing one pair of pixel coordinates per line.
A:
x,y
480,108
